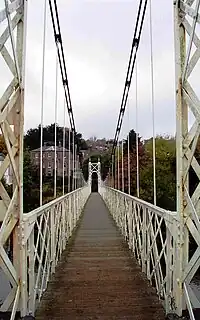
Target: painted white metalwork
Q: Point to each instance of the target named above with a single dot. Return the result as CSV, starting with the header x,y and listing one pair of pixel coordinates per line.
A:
x,y
152,234
11,124
118,171
55,130
122,156
187,49
94,168
137,135
64,148
46,232
112,171
42,100
69,160
152,103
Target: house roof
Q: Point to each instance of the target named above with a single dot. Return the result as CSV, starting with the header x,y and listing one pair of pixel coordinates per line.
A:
x,y
50,148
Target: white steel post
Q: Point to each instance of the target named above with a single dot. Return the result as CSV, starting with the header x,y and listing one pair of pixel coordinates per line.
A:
x,y
118,180
186,18
73,159
75,168
129,168
69,161
52,231
64,153
99,175
55,130
90,175
113,171
122,165
181,111
12,114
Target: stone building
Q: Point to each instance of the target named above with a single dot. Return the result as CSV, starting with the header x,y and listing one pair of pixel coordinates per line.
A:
x,y
48,153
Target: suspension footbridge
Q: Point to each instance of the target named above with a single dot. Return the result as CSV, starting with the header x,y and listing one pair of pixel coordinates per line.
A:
x,y
105,254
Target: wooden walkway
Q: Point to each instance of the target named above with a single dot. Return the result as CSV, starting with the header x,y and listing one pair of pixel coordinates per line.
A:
x,y
97,278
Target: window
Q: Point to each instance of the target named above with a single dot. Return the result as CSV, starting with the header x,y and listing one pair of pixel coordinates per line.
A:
x,y
49,155
49,165
36,155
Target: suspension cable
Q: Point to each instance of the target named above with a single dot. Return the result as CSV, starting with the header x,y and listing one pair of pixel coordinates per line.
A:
x,y
64,155
73,149
112,171
128,144
61,58
55,131
69,161
42,98
152,103
122,165
118,180
137,134
116,175
132,59
75,168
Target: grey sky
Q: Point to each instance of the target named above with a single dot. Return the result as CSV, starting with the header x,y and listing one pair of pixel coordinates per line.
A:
x,y
97,37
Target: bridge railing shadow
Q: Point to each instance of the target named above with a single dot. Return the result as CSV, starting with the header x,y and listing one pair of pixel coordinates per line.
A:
x,y
48,229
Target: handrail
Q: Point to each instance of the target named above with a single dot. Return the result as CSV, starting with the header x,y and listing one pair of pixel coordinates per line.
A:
x,y
46,206
47,230
151,234
160,211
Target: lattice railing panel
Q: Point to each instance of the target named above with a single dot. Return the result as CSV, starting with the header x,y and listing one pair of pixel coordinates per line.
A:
x,y
187,54
12,21
47,230
150,233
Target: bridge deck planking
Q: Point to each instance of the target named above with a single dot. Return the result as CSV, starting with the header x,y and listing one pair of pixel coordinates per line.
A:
x,y
98,278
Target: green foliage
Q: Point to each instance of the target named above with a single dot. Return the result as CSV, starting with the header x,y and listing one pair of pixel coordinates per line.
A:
x,y
165,169
165,176
132,142
31,184
32,137
3,146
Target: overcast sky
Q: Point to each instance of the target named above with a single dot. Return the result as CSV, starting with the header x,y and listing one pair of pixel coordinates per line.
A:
x,y
97,38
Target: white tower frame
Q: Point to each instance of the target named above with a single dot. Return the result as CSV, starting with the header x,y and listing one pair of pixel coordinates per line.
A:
x,y
186,18
94,168
12,130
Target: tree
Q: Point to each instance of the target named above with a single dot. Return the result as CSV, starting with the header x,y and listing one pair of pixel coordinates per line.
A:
x,y
30,184
3,148
133,163
165,176
32,137
132,141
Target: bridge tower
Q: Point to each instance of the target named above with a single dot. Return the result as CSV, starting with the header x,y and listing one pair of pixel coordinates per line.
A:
x,y
94,168
187,56
13,31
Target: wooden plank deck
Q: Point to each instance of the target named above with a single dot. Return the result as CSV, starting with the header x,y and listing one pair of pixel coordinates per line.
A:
x,y
97,278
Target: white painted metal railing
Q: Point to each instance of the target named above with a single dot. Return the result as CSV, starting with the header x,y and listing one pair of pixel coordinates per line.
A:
x,y
151,235
46,232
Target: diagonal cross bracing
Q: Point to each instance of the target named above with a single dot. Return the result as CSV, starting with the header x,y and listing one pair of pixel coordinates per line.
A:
x,y
187,20
11,125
